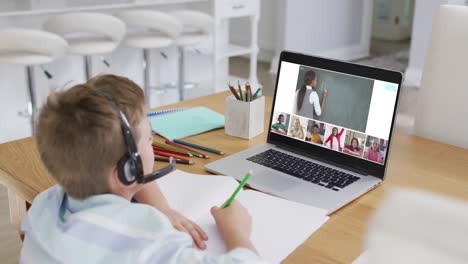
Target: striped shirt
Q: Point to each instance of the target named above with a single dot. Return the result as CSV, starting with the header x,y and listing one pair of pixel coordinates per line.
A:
x,y
108,229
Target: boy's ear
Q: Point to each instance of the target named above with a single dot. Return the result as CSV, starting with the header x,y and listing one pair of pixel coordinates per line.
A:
x,y
114,182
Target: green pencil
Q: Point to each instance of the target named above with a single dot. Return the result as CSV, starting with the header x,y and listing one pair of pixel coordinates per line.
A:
x,y
240,91
195,154
171,147
256,93
241,185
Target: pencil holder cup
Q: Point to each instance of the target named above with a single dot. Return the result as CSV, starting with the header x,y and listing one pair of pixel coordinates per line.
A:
x,y
244,119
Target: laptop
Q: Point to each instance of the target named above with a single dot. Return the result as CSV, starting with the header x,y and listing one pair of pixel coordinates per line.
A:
x,y
329,134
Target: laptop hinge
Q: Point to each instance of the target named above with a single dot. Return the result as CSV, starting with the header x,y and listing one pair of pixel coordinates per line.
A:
x,y
308,155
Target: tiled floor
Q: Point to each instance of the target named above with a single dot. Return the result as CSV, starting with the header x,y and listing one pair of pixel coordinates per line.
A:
x,y
389,55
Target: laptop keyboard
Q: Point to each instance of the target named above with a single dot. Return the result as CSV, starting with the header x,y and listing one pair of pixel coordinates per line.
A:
x,y
304,169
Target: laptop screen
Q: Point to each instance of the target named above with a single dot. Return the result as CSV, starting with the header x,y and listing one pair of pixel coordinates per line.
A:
x,y
348,114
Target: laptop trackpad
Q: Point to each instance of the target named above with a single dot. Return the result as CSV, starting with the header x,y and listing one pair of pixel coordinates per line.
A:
x,y
272,180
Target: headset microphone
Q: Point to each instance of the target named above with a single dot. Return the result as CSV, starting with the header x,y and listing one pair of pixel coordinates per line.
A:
x,y
159,173
130,165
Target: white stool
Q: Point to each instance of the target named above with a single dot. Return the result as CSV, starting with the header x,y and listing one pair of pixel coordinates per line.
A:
x,y
151,30
197,27
88,34
30,47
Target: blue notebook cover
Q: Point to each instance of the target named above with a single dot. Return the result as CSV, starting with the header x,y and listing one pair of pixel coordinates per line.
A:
x,y
189,122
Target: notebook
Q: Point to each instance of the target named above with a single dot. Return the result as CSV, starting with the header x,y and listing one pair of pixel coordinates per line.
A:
x,y
278,226
189,122
164,112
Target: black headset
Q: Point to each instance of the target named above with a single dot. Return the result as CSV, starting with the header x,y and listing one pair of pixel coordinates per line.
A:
x,y
130,166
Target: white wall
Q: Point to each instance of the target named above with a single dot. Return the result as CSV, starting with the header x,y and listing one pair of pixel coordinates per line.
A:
x,y
315,26
424,11
333,28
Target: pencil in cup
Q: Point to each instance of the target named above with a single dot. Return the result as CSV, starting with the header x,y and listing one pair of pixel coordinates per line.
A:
x,y
173,143
240,91
233,91
180,142
178,161
248,88
256,93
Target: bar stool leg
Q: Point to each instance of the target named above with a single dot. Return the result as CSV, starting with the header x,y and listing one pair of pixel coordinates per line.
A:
x,y
181,79
146,76
32,108
88,65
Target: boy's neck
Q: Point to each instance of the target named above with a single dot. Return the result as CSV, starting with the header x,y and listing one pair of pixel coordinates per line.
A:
x,y
127,193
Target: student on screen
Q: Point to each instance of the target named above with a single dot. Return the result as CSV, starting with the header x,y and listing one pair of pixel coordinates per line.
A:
x,y
296,129
280,127
308,131
307,99
334,140
314,135
353,148
373,153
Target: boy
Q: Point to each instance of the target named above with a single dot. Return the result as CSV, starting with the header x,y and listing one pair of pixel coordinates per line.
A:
x,y
315,137
280,127
89,217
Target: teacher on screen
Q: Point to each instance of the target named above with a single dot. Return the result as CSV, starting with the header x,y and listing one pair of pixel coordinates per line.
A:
x,y
307,98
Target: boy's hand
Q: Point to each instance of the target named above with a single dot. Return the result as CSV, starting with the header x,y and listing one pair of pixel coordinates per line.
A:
x,y
183,224
235,224
234,219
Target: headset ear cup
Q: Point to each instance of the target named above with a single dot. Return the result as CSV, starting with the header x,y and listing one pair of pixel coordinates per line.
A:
x,y
126,170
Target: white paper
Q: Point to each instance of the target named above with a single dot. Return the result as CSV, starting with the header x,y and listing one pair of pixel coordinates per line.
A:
x,y
194,195
279,226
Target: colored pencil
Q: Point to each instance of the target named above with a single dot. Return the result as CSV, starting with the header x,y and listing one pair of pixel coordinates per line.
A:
x,y
184,149
198,155
240,91
176,160
168,150
233,91
166,158
256,93
168,155
194,152
248,88
236,191
201,155
164,145
172,148
198,147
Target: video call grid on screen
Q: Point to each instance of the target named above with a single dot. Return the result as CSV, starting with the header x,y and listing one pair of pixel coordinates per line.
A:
x,y
379,96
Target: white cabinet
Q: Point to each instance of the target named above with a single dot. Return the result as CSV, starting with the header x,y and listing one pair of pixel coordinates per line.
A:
x,y
224,11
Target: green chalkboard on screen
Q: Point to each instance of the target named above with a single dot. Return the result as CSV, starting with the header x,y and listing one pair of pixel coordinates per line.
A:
x,y
348,98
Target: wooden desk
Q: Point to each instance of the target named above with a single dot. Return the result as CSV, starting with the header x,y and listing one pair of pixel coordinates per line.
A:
x,y
414,162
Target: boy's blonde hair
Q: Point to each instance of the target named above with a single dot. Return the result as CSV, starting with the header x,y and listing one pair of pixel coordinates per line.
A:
x,y
79,136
